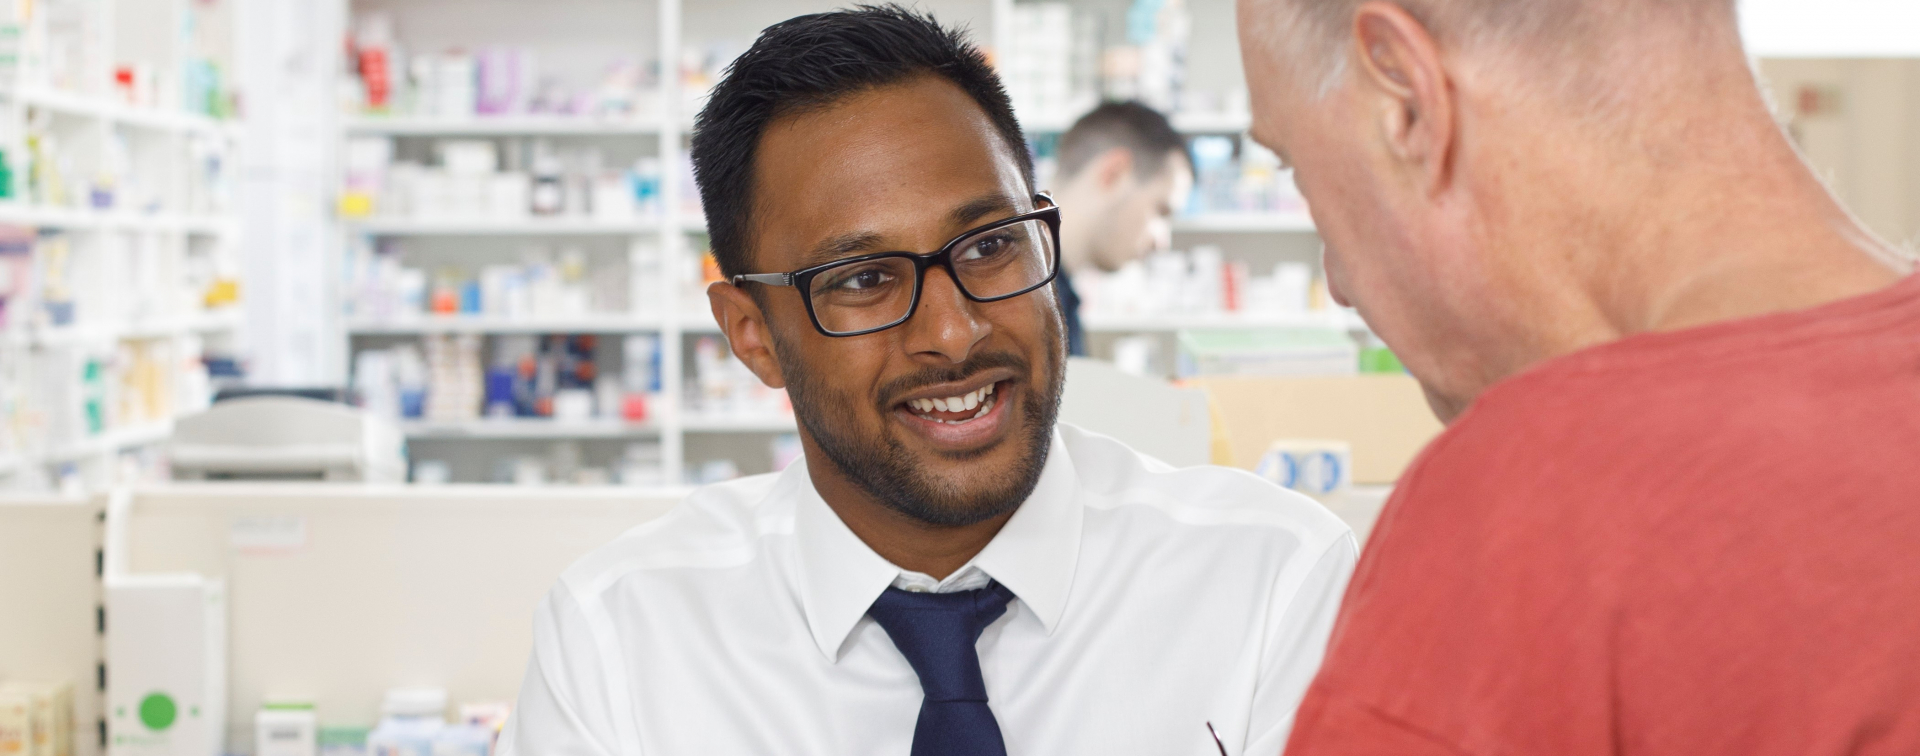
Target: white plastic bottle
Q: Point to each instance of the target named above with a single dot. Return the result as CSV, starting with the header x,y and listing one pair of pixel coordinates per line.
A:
x,y
410,720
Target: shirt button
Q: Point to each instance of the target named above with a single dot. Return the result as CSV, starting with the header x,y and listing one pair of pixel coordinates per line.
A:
x,y
916,589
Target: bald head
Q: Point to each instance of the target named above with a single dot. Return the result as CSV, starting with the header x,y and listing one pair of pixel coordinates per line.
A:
x,y
1315,33
1498,182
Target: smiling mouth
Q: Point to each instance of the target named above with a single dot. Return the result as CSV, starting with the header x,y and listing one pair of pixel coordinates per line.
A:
x,y
955,410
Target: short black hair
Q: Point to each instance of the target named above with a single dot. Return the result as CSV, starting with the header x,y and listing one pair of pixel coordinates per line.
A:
x,y
810,62
1143,131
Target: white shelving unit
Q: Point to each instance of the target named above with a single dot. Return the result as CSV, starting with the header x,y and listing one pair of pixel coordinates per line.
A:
x,y
522,428
136,185
488,325
495,227
678,315
1245,223
499,126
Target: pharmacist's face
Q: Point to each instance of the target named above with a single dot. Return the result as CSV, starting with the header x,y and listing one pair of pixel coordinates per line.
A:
x,y
908,168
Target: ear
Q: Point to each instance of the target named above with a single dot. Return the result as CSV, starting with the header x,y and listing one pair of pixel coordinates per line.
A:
x,y
1399,59
1114,168
745,326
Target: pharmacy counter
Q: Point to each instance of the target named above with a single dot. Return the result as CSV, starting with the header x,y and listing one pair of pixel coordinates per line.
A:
x,y
335,593
219,598
49,601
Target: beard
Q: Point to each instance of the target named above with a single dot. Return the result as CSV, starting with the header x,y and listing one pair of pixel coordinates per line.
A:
x,y
891,474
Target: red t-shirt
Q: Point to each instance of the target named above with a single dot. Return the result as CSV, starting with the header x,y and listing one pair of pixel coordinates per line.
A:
x,y
1697,542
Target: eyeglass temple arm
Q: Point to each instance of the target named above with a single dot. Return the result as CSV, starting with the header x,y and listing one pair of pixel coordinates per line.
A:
x,y
770,279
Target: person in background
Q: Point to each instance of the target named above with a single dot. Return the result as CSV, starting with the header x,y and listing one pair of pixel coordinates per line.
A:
x,y
1677,509
1123,173
946,571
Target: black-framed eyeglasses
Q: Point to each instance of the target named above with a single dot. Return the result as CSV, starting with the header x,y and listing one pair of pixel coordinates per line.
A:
x,y
869,293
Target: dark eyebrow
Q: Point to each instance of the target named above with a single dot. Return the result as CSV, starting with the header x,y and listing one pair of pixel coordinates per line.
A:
x,y
979,207
855,243
845,245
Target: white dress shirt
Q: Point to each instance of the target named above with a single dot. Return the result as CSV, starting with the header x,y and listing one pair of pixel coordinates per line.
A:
x,y
1149,603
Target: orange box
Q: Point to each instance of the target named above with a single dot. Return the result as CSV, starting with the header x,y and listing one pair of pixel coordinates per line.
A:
x,y
1384,417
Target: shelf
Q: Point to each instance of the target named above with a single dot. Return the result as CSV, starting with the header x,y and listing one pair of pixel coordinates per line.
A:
x,y
1186,123
1212,123
725,424
102,108
1245,223
498,126
112,220
152,329
699,322
112,441
1103,323
494,227
489,324
527,428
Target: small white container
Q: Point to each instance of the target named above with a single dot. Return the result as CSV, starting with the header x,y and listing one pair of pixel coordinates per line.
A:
x,y
1312,467
286,729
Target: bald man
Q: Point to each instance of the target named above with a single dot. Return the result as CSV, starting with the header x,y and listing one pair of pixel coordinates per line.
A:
x,y
1677,509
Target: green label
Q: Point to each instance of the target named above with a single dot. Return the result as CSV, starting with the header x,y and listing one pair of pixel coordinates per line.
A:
x,y
157,711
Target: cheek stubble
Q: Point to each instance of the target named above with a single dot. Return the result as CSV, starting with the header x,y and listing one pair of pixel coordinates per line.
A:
x,y
894,475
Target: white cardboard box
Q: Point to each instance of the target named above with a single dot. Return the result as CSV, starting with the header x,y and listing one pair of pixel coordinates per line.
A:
x,y
166,665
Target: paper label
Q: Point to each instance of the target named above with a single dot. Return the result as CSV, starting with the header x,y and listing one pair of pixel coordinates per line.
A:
x,y
269,534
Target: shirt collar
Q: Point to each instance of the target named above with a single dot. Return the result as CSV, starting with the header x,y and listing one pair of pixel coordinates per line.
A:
x,y
1034,555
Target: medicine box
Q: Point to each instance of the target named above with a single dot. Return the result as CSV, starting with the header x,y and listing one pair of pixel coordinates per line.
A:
x,y
36,719
166,665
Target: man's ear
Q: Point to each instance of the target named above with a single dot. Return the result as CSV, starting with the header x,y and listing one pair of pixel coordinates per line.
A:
x,y
1113,168
745,326
1400,61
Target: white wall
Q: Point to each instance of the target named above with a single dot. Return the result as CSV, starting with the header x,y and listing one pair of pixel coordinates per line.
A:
x,y
1831,28
1864,139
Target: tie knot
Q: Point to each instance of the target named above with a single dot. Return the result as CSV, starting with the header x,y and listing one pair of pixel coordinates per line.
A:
x,y
936,632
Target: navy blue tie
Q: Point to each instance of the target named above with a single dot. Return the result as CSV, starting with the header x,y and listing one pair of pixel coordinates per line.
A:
x,y
936,632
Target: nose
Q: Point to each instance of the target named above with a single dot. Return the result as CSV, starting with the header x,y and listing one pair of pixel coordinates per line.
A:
x,y
945,325
1159,234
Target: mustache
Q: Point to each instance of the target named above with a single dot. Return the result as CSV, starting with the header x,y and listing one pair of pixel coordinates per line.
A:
x,y
974,365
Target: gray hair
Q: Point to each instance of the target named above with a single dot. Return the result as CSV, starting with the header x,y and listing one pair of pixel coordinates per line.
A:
x,y
1315,33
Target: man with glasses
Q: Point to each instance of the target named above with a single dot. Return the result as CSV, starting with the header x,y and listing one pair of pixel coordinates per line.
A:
x,y
946,572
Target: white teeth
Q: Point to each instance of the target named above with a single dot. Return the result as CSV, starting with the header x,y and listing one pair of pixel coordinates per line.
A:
x,y
978,399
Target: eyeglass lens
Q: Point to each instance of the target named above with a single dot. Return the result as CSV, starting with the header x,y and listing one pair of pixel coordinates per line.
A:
x,y
873,294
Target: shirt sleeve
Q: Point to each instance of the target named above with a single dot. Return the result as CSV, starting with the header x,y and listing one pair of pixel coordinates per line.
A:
x,y
562,711
1302,620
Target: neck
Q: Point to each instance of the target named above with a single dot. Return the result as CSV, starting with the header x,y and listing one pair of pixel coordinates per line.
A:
x,y
1707,217
910,544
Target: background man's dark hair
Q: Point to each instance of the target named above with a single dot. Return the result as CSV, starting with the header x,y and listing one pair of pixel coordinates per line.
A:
x,y
810,62
1143,131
